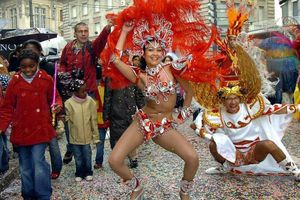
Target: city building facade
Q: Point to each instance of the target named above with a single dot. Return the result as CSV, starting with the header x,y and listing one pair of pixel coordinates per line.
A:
x,y
31,13
290,8
92,12
215,13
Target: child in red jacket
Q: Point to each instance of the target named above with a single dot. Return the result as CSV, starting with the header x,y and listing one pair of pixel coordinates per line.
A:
x,y
27,107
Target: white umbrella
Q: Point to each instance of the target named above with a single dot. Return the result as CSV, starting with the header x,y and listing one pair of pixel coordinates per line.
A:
x,y
57,43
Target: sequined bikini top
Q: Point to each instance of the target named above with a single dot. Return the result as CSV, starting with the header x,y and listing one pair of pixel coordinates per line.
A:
x,y
155,86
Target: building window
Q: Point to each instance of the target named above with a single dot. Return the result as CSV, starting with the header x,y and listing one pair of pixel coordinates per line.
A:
x,y
84,9
236,5
295,8
109,4
97,6
122,3
285,9
14,17
61,15
261,13
97,28
73,12
39,17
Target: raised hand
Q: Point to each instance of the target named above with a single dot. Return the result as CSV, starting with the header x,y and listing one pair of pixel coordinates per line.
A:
x,y
128,26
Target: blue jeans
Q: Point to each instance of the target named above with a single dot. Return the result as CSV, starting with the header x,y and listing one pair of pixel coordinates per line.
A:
x,y
100,146
35,172
83,160
4,153
55,156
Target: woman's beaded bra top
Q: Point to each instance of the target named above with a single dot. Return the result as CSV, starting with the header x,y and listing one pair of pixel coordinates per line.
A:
x,y
155,87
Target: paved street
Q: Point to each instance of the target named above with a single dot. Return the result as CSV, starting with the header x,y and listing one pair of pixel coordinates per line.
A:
x,y
161,171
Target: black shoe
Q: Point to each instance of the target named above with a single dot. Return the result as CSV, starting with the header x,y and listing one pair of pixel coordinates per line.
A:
x,y
68,157
133,163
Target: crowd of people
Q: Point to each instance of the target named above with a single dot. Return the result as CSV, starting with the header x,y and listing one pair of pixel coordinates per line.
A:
x,y
135,96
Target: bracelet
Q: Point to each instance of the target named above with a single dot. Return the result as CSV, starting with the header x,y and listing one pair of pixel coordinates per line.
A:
x,y
118,52
113,58
185,113
292,108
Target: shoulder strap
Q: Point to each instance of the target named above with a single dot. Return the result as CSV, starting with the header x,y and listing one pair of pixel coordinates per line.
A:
x,y
90,50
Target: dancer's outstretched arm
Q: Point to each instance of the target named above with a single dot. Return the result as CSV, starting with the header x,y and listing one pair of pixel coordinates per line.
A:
x,y
125,69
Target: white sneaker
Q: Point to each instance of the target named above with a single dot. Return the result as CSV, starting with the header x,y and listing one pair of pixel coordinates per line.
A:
x,y
78,179
290,167
89,178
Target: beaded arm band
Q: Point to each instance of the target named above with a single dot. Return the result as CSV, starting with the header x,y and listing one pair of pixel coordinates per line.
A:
x,y
293,108
116,55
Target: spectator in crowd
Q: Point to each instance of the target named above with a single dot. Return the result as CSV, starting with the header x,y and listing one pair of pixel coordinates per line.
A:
x,y
81,54
27,106
49,67
127,100
81,115
102,124
13,60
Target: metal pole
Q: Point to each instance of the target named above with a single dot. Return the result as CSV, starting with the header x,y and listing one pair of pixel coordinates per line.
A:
x,y
31,14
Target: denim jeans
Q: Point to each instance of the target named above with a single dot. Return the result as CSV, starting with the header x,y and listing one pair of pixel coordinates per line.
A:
x,y
100,146
4,153
35,172
83,160
55,156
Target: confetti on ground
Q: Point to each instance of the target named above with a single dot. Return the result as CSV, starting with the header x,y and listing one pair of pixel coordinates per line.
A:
x,y
161,172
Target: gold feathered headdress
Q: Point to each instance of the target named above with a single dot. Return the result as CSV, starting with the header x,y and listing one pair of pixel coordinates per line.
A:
x,y
237,67
247,77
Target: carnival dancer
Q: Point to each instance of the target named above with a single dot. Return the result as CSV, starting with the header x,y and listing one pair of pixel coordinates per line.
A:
x,y
154,27
246,136
244,129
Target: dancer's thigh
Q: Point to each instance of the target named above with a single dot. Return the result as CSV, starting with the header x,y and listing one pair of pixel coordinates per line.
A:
x,y
129,141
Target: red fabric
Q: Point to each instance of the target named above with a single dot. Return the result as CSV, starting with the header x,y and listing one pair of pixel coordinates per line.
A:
x,y
27,107
189,36
1,95
70,60
100,107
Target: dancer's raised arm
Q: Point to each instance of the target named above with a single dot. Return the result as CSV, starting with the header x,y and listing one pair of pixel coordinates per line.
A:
x,y
125,69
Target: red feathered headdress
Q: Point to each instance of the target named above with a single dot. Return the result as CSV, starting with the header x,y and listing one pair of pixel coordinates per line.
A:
x,y
175,25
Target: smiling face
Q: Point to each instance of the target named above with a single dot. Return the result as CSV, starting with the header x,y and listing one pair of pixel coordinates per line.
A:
x,y
153,55
232,104
28,67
